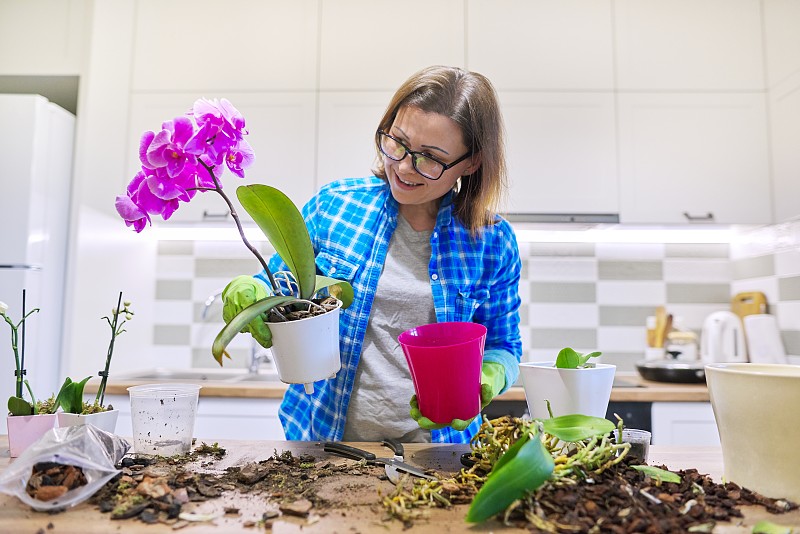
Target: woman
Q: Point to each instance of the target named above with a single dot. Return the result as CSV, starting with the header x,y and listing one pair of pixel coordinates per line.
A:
x,y
420,242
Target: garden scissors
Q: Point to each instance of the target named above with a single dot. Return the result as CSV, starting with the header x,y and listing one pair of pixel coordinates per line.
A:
x,y
392,465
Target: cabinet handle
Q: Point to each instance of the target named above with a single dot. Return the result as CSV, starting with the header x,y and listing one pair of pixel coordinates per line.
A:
x,y
207,215
708,217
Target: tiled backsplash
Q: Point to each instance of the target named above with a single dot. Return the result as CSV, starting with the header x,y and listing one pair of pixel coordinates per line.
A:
x,y
590,296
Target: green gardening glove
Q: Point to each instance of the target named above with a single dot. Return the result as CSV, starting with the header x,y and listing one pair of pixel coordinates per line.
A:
x,y
240,293
493,378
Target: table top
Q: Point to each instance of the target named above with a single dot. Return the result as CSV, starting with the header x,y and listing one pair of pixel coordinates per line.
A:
x,y
359,517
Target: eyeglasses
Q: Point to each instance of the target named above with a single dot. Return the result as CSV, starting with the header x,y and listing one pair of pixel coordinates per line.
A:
x,y
425,164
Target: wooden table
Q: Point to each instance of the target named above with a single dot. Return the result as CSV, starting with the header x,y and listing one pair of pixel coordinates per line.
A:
x,y
19,519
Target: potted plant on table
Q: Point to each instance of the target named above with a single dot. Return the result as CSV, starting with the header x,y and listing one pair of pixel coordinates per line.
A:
x,y
27,420
188,156
570,385
70,398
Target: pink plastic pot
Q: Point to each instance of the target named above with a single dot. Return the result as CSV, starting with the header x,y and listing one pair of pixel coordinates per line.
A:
x,y
445,361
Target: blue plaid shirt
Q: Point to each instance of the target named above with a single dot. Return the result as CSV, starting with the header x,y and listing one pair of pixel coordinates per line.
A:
x,y
351,222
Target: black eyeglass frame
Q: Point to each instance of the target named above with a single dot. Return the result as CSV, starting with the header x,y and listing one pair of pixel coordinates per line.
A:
x,y
414,153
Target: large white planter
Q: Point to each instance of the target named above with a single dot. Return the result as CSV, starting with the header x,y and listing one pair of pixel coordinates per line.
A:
x,y
103,420
570,391
24,430
307,350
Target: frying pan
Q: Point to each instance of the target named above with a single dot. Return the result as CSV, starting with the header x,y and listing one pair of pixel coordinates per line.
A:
x,y
672,371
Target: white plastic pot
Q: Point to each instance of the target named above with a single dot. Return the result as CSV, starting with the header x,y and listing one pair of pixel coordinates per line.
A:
x,y
24,430
307,350
103,420
570,391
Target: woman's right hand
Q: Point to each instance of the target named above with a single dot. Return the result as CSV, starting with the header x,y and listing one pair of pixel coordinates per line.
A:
x,y
240,293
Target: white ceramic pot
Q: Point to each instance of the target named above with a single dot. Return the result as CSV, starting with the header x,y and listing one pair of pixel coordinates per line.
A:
x,y
307,350
570,391
103,420
24,430
755,406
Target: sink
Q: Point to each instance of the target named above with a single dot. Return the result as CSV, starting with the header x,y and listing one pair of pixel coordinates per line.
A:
x,y
198,375
261,376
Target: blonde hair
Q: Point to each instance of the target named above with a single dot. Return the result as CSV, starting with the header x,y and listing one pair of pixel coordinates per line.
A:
x,y
469,100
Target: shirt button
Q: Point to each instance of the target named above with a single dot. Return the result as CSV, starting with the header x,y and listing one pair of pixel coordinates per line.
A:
x,y
435,235
333,270
434,276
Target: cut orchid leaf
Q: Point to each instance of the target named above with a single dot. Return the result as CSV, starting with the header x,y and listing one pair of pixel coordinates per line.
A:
x,y
768,527
241,319
570,359
17,406
523,468
577,427
658,474
284,227
337,288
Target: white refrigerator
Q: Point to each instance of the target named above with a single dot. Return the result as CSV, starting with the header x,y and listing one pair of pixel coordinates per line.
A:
x,y
36,151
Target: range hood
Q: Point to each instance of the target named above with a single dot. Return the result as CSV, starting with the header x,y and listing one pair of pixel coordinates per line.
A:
x,y
598,218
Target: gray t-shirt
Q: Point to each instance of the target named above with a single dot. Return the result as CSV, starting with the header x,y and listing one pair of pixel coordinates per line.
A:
x,y
379,406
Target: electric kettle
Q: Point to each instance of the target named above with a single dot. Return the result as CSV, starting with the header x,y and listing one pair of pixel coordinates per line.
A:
x,y
722,339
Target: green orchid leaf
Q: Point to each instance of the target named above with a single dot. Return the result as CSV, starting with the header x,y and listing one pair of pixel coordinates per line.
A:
x,y
570,359
567,359
241,319
529,465
768,527
283,224
659,474
585,358
577,427
338,288
17,406
70,397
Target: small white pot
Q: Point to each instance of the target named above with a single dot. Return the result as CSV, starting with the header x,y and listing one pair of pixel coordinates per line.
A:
x,y
103,420
24,430
307,350
570,391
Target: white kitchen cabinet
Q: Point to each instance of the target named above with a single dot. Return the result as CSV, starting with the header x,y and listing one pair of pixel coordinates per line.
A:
x,y
781,40
785,124
561,152
219,418
281,127
368,45
524,44
694,155
46,37
347,125
684,424
706,45
247,45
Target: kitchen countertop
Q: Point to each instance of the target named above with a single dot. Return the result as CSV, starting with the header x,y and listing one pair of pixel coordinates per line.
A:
x,y
85,518
631,387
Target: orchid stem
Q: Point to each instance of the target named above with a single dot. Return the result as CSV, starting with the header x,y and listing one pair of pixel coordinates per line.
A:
x,y
101,391
218,189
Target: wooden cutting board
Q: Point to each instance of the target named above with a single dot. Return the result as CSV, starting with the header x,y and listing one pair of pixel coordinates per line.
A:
x,y
749,303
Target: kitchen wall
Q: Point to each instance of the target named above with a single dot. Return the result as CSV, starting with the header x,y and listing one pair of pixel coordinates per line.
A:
x,y
580,294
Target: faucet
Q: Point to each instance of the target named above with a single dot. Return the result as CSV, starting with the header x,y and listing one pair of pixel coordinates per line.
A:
x,y
209,301
258,355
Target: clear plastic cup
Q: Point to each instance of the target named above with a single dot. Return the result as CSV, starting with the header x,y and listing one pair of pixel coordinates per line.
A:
x,y
163,418
445,360
640,443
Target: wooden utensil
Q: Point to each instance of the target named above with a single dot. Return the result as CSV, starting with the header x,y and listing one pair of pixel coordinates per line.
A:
x,y
749,303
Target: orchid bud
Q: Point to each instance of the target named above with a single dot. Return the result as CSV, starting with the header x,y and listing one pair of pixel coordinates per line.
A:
x,y
3,307
113,311
127,303
128,316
